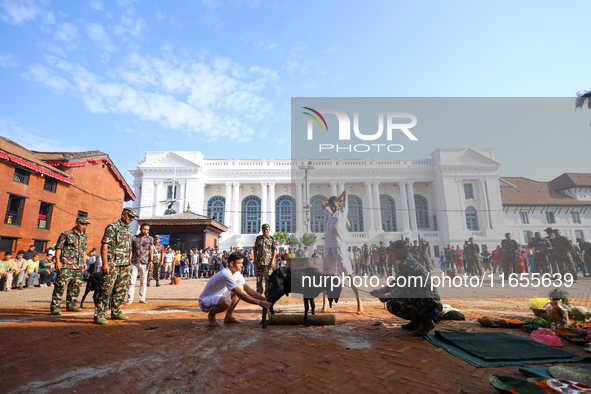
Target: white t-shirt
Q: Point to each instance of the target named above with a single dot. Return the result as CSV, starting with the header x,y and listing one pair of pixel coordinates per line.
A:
x,y
336,227
222,283
169,257
205,259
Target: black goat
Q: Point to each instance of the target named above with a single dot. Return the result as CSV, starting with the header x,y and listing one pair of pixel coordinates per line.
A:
x,y
95,282
287,280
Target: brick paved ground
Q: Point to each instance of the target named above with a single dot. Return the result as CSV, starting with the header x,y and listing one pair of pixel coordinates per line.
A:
x,y
166,347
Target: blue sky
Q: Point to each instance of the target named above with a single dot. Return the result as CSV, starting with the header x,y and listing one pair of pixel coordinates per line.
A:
x,y
128,76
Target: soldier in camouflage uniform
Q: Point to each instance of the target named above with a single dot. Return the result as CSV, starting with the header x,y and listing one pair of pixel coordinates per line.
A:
x,y
586,251
116,253
382,258
541,247
156,261
415,250
69,263
300,253
562,249
551,255
424,254
265,250
392,262
366,259
471,253
419,304
509,248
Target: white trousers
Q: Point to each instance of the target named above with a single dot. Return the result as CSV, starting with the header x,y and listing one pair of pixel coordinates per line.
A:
x,y
143,270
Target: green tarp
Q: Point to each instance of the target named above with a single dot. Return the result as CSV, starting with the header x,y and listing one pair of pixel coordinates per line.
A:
x,y
496,349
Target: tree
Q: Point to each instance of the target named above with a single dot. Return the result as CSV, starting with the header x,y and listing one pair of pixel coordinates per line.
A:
x,y
582,97
293,242
282,237
309,239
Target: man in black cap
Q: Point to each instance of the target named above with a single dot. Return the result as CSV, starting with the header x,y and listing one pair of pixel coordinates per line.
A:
x,y
265,251
69,264
586,251
551,255
414,301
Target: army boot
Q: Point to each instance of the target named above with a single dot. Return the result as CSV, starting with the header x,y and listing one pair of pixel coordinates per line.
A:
x,y
424,327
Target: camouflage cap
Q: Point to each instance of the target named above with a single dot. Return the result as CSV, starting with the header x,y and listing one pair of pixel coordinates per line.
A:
x,y
548,229
156,236
82,220
266,225
130,211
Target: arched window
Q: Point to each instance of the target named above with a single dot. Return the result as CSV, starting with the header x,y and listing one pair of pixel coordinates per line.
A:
x,y
285,219
388,212
216,207
472,219
422,209
355,215
251,215
318,217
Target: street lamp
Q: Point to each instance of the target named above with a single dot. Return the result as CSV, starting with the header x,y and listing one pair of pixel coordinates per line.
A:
x,y
307,205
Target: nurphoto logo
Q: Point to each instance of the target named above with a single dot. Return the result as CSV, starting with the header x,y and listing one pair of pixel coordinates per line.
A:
x,y
344,131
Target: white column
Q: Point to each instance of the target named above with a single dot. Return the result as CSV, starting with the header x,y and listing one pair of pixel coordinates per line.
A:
x,y
341,187
271,207
264,203
228,205
368,213
461,198
403,199
484,205
412,208
183,196
158,191
377,207
237,214
299,208
333,189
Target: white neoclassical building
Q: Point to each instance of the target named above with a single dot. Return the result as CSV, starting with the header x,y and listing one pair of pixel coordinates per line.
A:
x,y
446,199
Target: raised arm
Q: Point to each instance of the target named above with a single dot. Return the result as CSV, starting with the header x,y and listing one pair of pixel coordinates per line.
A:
x,y
344,195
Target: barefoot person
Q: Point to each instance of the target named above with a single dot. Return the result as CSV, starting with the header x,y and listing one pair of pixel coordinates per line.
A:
x,y
225,289
335,247
419,304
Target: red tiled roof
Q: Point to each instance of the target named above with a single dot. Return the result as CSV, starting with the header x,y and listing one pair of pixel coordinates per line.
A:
x,y
569,180
530,192
14,149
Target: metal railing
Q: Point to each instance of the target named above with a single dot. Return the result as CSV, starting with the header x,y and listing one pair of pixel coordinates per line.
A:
x,y
12,218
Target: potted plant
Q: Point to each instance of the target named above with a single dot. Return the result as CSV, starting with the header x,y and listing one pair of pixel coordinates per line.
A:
x,y
451,270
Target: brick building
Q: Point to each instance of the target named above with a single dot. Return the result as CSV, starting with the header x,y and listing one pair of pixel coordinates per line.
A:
x,y
46,191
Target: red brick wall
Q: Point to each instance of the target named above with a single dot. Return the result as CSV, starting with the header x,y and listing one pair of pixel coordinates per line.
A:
x,y
96,179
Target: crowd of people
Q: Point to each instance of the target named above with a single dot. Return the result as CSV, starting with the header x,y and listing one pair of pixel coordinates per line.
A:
x,y
122,258
553,254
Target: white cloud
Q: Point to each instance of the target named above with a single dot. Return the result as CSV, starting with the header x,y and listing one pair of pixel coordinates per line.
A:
x,y
46,76
67,32
216,99
8,59
97,33
127,3
31,139
96,5
17,12
130,26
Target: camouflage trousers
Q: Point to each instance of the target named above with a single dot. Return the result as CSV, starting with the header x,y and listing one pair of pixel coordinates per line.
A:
x,y
473,266
263,272
67,278
507,262
541,264
415,309
154,272
552,262
112,292
566,265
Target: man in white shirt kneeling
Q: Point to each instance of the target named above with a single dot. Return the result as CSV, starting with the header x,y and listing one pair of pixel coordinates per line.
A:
x,y
225,289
